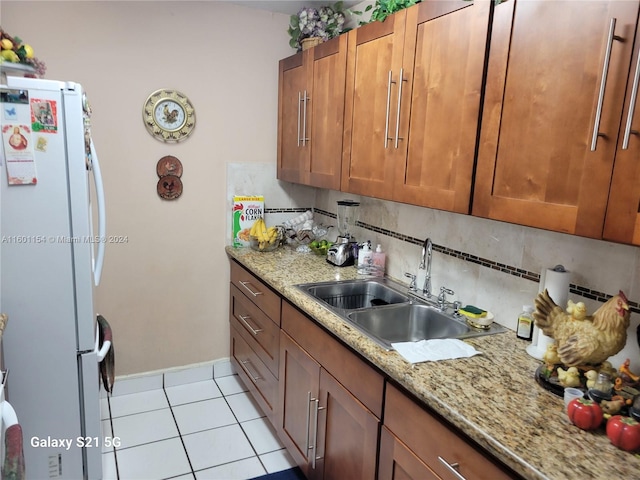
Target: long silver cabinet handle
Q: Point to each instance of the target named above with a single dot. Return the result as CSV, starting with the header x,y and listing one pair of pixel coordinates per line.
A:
x,y
244,284
386,119
254,331
314,447
299,100
307,447
402,79
603,85
246,369
305,139
632,106
452,467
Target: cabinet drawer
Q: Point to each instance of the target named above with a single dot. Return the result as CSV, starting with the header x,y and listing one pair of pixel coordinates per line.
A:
x,y
366,384
255,290
258,330
434,442
261,383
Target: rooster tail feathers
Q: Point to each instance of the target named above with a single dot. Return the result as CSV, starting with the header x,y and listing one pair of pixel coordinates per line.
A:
x,y
546,309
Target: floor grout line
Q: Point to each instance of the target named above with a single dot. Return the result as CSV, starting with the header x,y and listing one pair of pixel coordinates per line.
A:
x,y
186,452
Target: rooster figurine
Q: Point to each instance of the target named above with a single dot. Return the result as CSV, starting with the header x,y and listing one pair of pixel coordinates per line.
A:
x,y
590,341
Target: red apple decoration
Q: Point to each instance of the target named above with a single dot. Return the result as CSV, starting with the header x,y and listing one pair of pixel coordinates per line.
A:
x,y
585,413
624,433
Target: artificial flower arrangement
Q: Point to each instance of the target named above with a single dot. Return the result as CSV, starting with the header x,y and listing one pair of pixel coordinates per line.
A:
x,y
13,50
325,23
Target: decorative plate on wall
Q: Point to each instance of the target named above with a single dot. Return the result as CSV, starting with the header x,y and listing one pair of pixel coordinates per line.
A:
x,y
169,165
169,116
169,187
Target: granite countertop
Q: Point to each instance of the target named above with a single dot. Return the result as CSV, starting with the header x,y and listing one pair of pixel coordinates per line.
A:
x,y
493,398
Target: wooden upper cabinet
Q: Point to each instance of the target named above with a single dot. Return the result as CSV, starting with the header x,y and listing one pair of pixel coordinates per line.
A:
x,y
293,158
414,86
444,58
374,61
311,115
550,84
622,222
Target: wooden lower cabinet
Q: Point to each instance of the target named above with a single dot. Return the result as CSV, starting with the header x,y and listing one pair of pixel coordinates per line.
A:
x,y
254,320
398,462
329,433
423,446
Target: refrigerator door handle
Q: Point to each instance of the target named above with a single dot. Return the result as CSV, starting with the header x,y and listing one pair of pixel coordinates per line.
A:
x,y
102,220
101,352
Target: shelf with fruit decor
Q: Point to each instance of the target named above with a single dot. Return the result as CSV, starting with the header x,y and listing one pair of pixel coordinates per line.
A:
x,y
17,58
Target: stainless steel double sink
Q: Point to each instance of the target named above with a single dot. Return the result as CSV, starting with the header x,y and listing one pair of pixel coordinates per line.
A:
x,y
380,309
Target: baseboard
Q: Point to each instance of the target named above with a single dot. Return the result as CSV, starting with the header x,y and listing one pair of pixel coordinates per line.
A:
x,y
197,372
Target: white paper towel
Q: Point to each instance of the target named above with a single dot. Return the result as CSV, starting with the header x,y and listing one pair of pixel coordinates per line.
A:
x,y
556,281
433,350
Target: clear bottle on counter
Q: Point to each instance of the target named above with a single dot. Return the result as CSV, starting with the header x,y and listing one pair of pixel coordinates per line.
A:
x,y
524,329
365,259
379,259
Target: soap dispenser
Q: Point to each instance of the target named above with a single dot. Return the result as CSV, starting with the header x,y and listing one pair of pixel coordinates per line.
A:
x,y
365,259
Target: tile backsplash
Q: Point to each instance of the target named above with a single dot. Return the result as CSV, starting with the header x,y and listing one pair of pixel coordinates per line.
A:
x,y
490,264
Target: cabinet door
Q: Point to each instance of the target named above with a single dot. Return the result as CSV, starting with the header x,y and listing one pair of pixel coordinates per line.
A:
x,y
346,436
299,381
397,462
374,61
327,112
444,56
293,154
538,163
623,212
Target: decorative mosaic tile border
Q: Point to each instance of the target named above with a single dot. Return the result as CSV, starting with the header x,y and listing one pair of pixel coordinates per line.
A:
x,y
508,269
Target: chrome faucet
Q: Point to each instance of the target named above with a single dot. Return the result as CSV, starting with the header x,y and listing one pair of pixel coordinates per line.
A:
x,y
426,257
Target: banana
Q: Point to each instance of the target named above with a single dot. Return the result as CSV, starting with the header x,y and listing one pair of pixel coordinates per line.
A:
x,y
252,231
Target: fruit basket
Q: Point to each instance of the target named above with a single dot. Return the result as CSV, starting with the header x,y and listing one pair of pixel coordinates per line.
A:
x,y
270,242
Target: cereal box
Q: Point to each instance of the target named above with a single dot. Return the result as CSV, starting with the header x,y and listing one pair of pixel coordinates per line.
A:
x,y
246,210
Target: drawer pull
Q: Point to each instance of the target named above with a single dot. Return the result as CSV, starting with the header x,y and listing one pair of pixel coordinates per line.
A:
x,y
244,284
254,331
452,467
245,364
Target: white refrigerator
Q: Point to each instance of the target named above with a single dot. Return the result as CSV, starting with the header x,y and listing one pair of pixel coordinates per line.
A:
x,y
50,262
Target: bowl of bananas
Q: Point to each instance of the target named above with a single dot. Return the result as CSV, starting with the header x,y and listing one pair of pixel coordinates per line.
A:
x,y
265,239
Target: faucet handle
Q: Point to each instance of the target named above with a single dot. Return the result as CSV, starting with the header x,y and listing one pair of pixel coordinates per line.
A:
x,y
412,285
442,298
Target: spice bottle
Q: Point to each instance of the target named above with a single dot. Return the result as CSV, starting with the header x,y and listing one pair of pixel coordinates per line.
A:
x,y
524,329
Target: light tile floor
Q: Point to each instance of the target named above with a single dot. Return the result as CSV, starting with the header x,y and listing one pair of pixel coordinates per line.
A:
x,y
206,430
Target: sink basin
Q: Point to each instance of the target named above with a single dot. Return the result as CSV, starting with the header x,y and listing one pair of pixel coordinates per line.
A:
x,y
407,323
354,294
381,310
